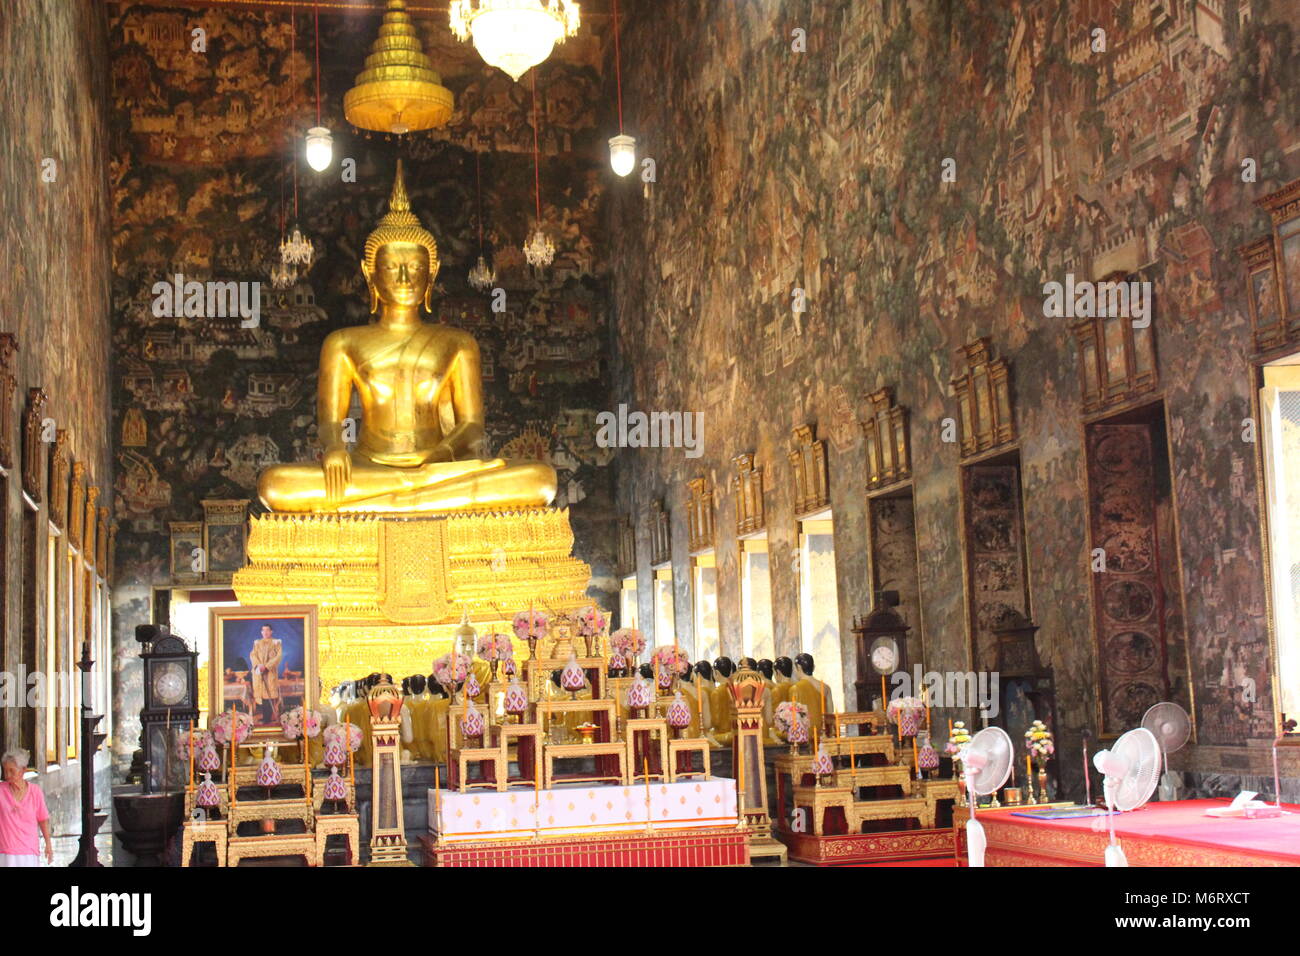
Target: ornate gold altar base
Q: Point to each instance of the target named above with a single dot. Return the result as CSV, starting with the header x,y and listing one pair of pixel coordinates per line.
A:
x,y
391,589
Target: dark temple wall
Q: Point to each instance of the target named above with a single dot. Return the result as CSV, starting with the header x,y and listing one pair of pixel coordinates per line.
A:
x,y
821,170
201,167
55,301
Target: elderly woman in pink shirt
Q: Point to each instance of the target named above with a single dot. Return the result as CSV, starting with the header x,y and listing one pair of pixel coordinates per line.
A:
x,y
22,812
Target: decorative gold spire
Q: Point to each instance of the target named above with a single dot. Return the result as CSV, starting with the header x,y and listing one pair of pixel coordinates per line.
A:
x,y
400,225
398,91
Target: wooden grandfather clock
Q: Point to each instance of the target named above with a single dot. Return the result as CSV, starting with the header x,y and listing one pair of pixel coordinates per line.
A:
x,y
171,678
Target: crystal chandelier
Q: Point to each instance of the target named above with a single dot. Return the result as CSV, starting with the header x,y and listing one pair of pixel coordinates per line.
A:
x,y
514,35
283,275
296,250
481,277
539,250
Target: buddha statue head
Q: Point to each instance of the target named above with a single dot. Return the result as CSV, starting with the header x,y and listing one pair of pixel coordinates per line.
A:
x,y
414,685
400,259
804,663
765,668
704,669
435,689
784,666
647,671
725,667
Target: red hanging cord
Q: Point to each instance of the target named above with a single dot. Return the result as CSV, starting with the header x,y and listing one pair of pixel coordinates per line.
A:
x,y
478,176
316,7
537,175
618,70
293,99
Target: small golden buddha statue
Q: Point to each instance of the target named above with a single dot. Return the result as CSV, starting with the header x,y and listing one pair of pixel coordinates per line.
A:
x,y
421,393
811,692
722,705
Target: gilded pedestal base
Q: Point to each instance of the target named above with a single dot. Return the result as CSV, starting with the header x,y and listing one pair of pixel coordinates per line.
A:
x,y
391,588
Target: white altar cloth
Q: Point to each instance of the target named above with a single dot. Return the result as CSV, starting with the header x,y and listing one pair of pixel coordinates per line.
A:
x,y
582,809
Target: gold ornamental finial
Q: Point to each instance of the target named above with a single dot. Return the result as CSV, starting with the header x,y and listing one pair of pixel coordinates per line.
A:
x,y
398,91
400,225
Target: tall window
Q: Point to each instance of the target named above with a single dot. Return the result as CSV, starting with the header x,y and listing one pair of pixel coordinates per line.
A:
x,y
72,688
704,595
1280,407
819,613
756,599
627,616
665,626
52,647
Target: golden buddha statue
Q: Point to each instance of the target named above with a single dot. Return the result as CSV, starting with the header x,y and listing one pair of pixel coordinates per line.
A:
x,y
721,703
421,393
812,693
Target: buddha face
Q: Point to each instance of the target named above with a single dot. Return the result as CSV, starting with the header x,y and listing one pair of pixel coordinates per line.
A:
x,y
401,273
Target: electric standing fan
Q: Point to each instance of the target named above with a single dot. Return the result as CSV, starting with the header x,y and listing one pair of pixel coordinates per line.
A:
x,y
1132,768
987,762
1171,727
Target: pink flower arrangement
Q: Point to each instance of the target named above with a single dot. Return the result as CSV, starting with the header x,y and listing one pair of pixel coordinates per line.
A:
x,y
202,741
530,624
451,668
221,727
343,735
591,620
628,641
1038,741
670,659
291,723
495,647
791,716
906,712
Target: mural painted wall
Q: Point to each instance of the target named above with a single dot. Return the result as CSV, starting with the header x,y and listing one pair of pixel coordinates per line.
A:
x,y
55,301
821,170
202,176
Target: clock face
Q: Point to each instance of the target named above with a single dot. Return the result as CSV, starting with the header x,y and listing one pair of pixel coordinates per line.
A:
x,y
884,655
169,684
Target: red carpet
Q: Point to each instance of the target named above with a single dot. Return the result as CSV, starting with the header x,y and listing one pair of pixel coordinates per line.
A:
x,y
1160,834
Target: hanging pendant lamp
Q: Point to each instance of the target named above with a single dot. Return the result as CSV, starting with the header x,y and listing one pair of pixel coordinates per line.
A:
x,y
538,250
481,277
398,91
622,148
320,144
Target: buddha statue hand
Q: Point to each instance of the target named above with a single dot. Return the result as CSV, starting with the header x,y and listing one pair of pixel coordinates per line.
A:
x,y
337,465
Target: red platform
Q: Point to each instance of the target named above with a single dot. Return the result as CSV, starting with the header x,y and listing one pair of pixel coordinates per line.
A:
x,y
886,848
1160,834
719,846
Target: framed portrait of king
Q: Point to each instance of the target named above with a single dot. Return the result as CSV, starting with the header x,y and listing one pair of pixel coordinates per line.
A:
x,y
262,662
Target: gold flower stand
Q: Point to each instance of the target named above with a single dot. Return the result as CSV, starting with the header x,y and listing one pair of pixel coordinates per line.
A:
x,y
208,831
346,824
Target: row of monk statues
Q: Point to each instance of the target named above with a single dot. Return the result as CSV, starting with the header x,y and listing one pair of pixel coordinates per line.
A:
x,y
703,685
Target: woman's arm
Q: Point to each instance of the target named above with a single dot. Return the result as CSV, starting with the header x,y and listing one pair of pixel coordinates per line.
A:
x,y
49,846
